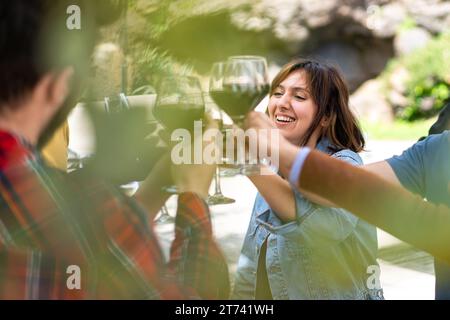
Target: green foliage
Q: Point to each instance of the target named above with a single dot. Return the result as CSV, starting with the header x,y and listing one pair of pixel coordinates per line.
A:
x,y
407,24
147,22
427,86
163,38
149,64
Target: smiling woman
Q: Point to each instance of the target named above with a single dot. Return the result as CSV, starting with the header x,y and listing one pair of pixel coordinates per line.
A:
x,y
319,99
296,248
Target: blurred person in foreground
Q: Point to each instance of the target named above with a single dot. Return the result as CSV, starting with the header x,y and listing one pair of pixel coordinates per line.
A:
x,y
442,270
52,223
375,192
423,170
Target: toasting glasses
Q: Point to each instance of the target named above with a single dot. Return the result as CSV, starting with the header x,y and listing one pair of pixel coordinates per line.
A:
x,y
237,86
179,103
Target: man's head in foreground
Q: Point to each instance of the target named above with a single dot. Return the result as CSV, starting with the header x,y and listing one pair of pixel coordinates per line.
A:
x,y
45,50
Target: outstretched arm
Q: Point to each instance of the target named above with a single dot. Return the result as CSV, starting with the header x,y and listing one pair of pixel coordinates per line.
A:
x,y
366,195
379,202
150,193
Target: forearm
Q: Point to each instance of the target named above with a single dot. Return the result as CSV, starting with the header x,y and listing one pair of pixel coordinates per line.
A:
x,y
152,199
379,202
278,194
317,199
383,170
150,194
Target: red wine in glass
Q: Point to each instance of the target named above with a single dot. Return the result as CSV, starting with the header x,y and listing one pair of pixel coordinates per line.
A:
x,y
175,116
179,103
237,100
237,87
240,86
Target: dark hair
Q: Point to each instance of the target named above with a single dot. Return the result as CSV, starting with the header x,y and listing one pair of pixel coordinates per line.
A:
x,y
35,39
330,93
443,121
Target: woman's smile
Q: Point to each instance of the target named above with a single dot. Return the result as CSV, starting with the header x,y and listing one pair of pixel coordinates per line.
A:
x,y
283,121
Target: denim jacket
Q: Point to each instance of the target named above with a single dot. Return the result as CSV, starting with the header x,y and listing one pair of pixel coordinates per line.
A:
x,y
327,253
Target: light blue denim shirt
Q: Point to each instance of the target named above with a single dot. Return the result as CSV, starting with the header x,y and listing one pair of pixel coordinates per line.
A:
x,y
327,253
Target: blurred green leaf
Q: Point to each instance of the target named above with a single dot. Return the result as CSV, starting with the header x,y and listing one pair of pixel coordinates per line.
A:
x,y
429,79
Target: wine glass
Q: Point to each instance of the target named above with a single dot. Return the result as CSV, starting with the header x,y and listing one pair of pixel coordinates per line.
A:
x,y
215,87
218,197
244,84
179,104
117,104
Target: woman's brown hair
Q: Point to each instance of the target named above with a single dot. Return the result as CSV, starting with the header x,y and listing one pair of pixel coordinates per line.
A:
x,y
330,93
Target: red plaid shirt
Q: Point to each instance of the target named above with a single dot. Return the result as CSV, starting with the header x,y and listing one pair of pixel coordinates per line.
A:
x,y
51,221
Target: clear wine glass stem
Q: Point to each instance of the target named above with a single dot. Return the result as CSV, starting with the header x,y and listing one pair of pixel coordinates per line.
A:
x,y
218,189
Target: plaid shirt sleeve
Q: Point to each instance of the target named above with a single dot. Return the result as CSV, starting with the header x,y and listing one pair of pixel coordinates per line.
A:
x,y
36,246
195,259
126,261
32,274
196,267
50,222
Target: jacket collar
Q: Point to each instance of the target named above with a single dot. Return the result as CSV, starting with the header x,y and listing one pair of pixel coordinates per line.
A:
x,y
324,145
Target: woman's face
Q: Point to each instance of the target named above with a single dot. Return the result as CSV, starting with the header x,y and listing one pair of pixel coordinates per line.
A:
x,y
292,109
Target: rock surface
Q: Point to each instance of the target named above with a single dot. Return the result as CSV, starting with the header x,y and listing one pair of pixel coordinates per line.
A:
x,y
360,36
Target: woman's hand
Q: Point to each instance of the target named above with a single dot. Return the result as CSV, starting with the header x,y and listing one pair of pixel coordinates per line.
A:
x,y
285,153
268,136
